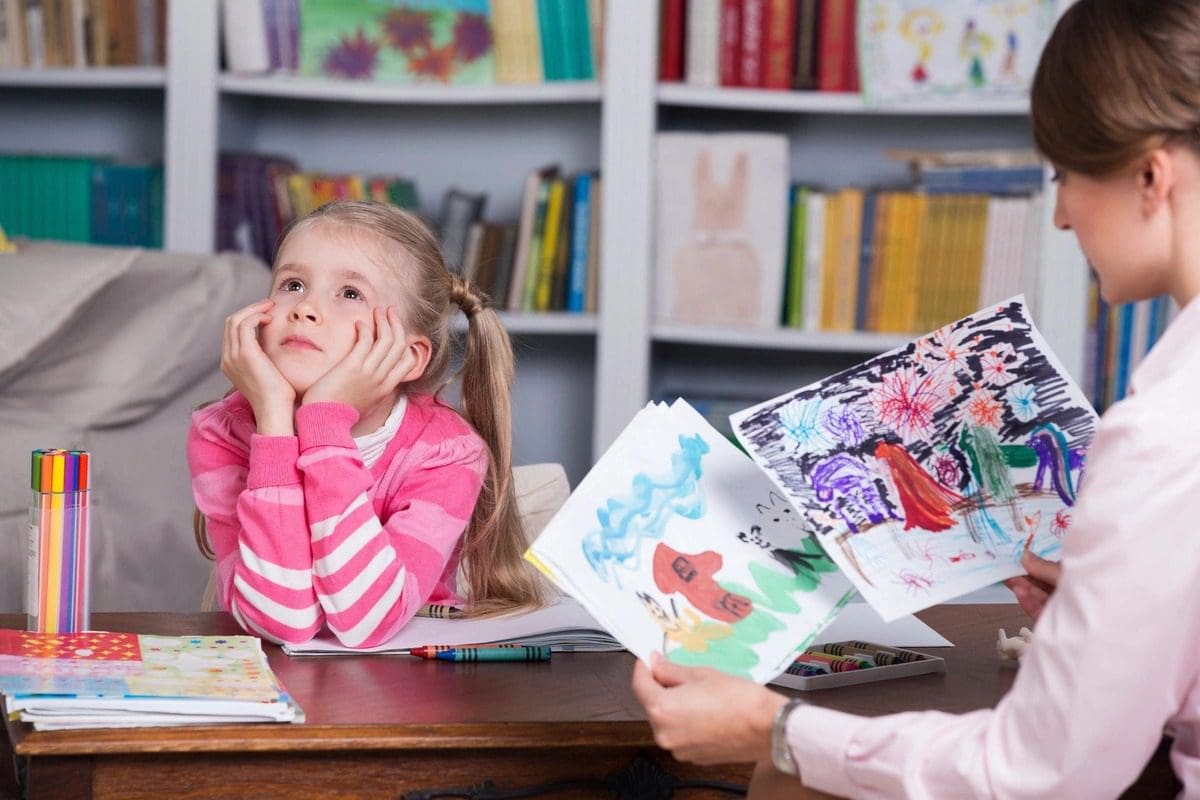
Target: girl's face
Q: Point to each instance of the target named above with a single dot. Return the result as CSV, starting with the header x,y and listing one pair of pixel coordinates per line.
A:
x,y
325,281
1119,236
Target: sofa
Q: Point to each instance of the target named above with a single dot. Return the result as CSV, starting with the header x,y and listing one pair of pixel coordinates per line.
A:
x,y
109,350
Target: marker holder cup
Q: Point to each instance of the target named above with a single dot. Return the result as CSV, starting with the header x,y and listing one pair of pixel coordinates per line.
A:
x,y
58,564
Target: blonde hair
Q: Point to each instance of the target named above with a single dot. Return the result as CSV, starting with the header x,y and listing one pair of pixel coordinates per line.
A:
x,y
1116,79
497,575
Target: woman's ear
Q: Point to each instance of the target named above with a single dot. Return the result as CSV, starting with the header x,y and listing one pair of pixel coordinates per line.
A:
x,y
419,352
1155,179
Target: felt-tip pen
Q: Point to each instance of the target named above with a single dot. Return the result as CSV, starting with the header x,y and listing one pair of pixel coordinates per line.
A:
x,y
487,654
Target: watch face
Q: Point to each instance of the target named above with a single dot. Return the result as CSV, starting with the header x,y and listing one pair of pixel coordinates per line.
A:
x,y
781,753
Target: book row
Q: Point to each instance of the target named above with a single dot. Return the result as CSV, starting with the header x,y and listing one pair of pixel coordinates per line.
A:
x,y
890,50
78,199
437,41
544,261
1118,338
732,250
767,44
82,33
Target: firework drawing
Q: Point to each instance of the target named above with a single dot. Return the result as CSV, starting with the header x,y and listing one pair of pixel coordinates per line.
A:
x,y
940,460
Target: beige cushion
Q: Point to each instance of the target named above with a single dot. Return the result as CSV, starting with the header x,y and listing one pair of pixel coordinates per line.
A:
x,y
541,490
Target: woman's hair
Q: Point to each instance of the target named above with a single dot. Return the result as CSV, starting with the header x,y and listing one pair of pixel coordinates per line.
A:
x,y
1116,79
497,575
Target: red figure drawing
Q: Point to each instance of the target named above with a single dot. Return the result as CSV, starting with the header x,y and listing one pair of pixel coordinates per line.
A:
x,y
692,576
926,502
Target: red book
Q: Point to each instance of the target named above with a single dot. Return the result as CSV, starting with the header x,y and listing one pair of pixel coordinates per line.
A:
x,y
754,28
779,48
834,37
671,29
729,56
851,50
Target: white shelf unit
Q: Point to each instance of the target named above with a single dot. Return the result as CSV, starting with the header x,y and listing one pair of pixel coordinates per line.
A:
x,y
478,138
86,78
835,140
581,378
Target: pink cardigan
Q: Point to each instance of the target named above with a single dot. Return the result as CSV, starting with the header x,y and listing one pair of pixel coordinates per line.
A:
x,y
305,536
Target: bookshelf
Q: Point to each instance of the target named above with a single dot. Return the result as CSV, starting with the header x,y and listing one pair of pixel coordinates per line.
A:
x,y
835,140
580,378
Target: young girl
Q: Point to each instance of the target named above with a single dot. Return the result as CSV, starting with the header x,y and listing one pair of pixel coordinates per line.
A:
x,y
335,485
1116,653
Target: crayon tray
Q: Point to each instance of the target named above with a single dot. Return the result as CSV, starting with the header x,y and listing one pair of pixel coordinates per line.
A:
x,y
922,664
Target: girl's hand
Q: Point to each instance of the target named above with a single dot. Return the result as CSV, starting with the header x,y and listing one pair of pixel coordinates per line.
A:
x,y
253,374
371,371
1033,590
705,716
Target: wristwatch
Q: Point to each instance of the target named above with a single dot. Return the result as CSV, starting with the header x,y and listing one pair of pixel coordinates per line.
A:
x,y
781,754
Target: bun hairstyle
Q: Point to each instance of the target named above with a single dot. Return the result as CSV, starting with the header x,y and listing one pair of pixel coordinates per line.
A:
x,y
1117,78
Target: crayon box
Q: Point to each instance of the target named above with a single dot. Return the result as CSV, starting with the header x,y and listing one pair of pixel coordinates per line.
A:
x,y
848,663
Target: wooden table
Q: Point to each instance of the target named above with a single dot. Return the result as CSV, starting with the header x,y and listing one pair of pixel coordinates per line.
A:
x,y
393,726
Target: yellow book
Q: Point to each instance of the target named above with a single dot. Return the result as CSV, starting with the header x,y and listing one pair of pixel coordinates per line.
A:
x,y
300,192
885,210
554,208
902,318
506,31
975,240
829,258
355,188
850,248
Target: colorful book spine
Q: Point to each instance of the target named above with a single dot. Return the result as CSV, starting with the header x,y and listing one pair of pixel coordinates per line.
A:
x,y
57,581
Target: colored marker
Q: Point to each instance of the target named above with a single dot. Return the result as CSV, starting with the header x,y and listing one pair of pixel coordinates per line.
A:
x,y
495,654
431,650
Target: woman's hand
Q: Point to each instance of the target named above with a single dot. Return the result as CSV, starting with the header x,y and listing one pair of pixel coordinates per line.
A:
x,y
705,716
1033,590
371,371
254,374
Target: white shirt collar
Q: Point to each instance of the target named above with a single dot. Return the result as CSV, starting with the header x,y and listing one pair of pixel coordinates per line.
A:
x,y
372,445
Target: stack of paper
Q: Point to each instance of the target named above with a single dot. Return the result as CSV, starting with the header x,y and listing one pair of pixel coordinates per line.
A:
x,y
563,627
103,680
679,544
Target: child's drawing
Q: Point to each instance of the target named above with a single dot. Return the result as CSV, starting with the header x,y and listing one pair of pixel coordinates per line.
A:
x,y
949,49
677,543
721,226
966,444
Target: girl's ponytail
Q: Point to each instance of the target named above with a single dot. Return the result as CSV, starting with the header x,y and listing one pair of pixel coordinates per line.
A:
x,y
497,575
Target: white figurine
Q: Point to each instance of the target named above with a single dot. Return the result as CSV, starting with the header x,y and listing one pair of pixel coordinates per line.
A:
x,y
1011,648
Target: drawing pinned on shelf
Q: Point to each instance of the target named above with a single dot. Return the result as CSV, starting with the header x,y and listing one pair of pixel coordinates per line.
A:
x,y
949,49
721,212
925,471
425,41
677,543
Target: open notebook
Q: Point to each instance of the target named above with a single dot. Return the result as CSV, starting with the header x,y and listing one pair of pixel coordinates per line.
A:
x,y
567,627
563,627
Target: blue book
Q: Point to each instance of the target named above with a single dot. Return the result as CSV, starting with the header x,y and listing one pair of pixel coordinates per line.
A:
x,y
865,251
983,180
580,231
1124,352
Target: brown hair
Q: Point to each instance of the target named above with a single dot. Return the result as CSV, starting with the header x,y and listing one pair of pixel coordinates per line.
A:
x,y
1116,79
497,575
